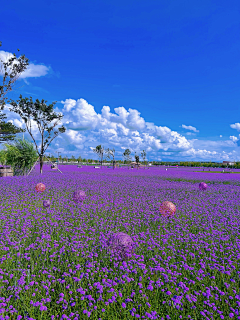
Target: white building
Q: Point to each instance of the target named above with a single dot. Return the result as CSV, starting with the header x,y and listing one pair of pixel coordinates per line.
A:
x,y
228,163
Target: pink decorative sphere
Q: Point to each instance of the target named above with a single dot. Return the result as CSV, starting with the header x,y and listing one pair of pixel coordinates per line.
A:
x,y
40,187
46,203
202,186
79,196
167,209
121,244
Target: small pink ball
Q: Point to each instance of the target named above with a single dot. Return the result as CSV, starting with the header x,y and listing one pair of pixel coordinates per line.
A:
x,y
40,187
46,203
202,186
167,209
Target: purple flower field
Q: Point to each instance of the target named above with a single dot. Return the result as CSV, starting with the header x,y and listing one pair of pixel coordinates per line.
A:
x,y
55,262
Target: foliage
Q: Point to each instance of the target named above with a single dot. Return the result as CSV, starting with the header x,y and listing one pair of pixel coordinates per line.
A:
x,y
197,164
21,156
44,116
99,150
11,70
79,159
111,154
136,158
8,130
144,155
127,155
3,157
15,66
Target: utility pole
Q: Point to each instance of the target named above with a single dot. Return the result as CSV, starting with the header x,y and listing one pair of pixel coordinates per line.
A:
x,y
58,157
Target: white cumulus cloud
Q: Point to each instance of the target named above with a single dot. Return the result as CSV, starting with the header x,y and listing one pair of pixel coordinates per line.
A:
x,y
233,138
79,115
189,128
235,126
120,129
32,70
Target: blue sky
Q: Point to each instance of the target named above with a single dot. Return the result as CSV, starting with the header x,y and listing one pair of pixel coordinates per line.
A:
x,y
163,76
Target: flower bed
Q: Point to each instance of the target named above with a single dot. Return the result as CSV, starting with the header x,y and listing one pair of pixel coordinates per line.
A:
x,y
55,261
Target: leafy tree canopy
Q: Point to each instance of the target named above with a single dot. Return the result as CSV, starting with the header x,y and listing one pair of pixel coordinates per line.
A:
x,y
11,71
8,130
21,155
45,118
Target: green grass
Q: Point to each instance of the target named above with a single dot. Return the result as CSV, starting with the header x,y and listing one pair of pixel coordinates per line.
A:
x,y
198,181
216,172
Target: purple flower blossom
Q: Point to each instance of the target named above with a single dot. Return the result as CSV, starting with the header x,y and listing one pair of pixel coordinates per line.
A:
x,y
43,308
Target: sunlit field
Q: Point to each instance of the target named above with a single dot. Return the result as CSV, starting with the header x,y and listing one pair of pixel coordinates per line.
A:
x,y
55,262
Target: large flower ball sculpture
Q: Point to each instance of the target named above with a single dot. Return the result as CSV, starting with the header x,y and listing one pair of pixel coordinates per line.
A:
x,y
79,196
46,203
167,209
121,244
40,187
202,186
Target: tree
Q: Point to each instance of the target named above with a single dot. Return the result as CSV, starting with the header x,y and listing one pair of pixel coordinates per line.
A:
x,y
137,159
44,116
143,155
15,66
11,70
111,154
99,150
52,158
127,156
8,131
21,155
3,157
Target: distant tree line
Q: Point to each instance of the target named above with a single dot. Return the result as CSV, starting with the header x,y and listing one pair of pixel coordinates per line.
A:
x,y
236,165
106,155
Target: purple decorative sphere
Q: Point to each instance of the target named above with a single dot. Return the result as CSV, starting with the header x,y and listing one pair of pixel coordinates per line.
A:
x,y
202,186
46,203
121,244
79,196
